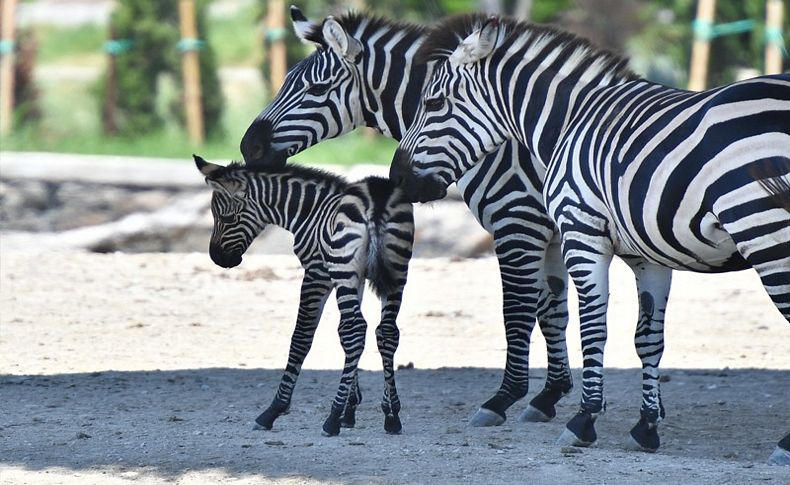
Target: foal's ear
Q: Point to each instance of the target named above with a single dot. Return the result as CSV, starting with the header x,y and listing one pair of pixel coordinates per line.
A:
x,y
478,44
206,168
339,40
302,26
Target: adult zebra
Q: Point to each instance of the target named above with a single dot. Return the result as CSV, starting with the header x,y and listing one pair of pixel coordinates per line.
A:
x,y
665,179
344,233
363,74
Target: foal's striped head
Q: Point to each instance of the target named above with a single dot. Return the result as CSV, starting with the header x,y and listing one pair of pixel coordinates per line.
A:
x,y
321,96
236,221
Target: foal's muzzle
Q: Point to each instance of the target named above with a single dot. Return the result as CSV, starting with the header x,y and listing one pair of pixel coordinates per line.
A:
x,y
222,258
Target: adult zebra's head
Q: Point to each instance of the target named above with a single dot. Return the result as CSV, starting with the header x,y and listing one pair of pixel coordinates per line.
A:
x,y
457,122
235,221
320,99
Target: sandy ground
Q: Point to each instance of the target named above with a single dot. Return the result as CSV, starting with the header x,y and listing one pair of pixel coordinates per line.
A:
x,y
150,369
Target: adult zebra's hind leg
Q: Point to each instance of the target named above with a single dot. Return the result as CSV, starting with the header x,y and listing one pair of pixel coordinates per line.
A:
x,y
387,338
553,321
351,330
315,290
652,284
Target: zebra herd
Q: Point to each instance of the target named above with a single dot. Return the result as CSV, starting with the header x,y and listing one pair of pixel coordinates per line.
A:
x,y
559,150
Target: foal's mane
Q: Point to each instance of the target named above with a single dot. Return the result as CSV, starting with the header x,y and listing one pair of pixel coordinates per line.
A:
x,y
293,170
351,21
444,38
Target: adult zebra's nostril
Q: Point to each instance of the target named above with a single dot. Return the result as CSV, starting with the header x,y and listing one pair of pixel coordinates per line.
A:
x,y
256,142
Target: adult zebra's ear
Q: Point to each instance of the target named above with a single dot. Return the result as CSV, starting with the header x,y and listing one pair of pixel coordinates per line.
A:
x,y
478,44
339,41
206,168
305,30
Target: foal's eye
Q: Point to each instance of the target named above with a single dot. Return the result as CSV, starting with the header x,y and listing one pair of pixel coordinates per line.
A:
x,y
434,104
319,89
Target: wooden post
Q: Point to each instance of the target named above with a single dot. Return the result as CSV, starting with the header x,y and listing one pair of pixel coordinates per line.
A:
x,y
191,69
774,11
109,118
275,30
698,72
7,59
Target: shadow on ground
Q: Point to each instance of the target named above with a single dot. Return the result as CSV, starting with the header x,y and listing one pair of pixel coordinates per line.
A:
x,y
167,423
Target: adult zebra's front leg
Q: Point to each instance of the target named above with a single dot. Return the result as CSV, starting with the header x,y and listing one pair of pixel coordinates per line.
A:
x,y
652,284
588,254
315,290
352,329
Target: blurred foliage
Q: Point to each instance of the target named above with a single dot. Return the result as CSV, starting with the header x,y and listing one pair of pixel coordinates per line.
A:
x,y
152,28
27,107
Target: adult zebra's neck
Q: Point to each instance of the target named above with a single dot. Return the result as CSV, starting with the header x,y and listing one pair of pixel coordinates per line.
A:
x,y
553,76
391,79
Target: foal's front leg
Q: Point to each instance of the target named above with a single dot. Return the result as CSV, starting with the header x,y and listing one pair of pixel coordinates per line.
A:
x,y
352,330
316,287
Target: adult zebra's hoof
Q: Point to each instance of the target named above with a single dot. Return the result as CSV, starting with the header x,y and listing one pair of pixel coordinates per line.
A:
x,y
535,415
392,424
265,420
643,437
580,431
780,456
349,419
485,417
331,426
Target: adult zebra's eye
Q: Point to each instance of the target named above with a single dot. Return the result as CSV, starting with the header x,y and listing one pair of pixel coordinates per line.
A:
x,y
319,89
229,219
434,104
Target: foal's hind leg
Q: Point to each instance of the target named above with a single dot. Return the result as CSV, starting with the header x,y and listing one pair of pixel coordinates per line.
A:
x,y
387,338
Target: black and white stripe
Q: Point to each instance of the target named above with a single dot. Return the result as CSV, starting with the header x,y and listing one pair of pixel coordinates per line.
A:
x,y
344,234
364,73
663,178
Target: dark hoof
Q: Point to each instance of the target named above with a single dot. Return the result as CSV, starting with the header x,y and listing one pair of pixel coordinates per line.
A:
x,y
580,431
331,426
485,417
349,419
541,408
392,424
265,420
644,437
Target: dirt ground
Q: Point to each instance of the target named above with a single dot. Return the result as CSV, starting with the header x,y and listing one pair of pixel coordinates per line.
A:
x,y
150,368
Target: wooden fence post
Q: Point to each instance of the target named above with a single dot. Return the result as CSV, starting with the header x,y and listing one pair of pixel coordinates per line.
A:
x,y
703,28
275,30
7,59
191,67
774,11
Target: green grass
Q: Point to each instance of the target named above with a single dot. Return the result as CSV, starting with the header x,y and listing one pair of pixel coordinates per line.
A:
x,y
75,45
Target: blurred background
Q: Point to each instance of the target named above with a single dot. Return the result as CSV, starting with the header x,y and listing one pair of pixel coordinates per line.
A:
x,y
95,80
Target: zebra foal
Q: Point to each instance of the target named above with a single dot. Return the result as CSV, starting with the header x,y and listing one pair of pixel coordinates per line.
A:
x,y
663,178
344,234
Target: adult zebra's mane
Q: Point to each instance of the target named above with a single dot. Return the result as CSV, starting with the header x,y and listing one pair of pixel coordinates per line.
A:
x,y
352,21
293,170
444,38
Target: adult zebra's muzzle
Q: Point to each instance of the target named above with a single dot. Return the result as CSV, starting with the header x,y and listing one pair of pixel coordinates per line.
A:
x,y
256,146
416,188
222,258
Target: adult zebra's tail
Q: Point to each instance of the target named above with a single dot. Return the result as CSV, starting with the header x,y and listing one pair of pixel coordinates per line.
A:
x,y
773,174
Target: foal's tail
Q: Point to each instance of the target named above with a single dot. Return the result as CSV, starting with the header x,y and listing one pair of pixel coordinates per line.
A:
x,y
773,174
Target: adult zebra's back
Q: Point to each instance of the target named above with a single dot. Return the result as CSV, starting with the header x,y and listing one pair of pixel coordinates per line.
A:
x,y
664,178
364,73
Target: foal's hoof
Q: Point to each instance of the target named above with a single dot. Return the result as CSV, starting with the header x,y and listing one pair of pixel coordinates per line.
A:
x,y
392,424
264,421
780,456
567,438
349,420
643,437
485,417
535,415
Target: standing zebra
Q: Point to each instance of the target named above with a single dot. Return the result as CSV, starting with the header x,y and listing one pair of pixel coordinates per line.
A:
x,y
664,178
344,233
363,73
